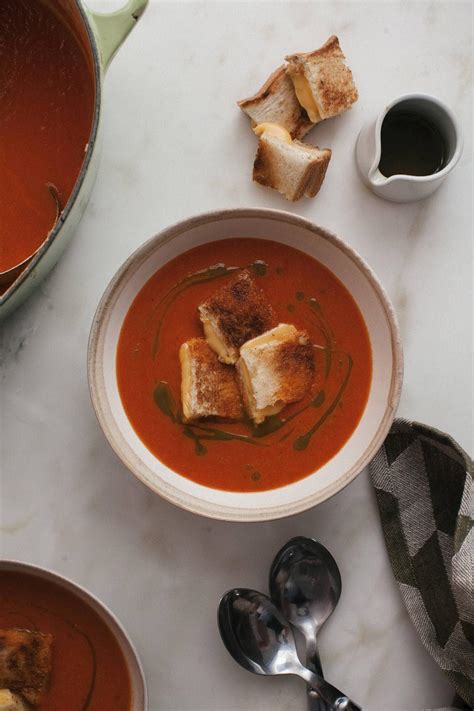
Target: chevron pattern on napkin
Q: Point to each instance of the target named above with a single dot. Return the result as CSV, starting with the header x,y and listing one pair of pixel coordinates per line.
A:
x,y
424,487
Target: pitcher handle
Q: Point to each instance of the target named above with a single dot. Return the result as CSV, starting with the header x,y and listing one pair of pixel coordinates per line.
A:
x,y
112,28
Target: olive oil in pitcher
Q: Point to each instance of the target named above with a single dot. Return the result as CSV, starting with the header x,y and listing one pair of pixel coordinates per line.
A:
x,y
411,145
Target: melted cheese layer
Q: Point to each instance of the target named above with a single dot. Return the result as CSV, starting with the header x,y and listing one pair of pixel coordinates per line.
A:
x,y
305,96
273,129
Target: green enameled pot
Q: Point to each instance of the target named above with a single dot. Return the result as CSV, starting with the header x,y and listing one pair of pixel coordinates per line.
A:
x,y
103,34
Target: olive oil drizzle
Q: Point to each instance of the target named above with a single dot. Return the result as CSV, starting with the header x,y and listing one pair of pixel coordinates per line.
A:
x,y
216,271
90,692
200,433
165,401
303,440
326,332
275,423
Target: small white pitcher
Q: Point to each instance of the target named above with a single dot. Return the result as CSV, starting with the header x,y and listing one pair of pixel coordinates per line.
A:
x,y
407,188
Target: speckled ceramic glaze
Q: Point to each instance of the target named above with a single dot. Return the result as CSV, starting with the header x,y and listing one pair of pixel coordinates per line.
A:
x,y
106,32
386,353
137,678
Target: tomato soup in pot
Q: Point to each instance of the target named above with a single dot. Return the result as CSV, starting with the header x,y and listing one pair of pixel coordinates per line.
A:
x,y
47,102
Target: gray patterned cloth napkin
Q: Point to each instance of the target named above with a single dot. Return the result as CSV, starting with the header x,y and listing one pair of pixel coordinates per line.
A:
x,y
424,486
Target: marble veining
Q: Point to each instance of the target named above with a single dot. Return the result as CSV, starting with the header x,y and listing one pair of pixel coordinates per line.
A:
x,y
176,144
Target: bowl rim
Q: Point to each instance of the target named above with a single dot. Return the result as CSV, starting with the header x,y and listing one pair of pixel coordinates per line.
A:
x,y
14,565
135,465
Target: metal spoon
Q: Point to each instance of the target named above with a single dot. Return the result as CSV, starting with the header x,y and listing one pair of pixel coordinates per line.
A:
x,y
259,638
305,584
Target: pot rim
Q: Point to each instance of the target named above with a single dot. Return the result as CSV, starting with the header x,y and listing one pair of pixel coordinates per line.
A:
x,y
91,144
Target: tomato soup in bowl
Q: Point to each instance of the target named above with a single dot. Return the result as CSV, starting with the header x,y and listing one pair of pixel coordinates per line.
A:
x,y
66,650
238,467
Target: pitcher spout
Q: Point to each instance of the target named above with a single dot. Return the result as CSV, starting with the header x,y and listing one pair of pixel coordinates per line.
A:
x,y
376,178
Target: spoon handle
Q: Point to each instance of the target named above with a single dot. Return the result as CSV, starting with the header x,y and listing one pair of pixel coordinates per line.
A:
x,y
332,696
315,702
313,663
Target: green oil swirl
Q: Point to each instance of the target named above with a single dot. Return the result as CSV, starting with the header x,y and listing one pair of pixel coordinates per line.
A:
x,y
216,271
78,630
274,422
164,400
302,441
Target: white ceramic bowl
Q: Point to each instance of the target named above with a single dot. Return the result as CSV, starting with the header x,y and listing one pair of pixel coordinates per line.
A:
x,y
352,272
137,678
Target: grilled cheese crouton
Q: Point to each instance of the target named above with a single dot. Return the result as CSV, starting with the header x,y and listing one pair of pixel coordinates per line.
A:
x,y
293,168
276,102
234,314
11,702
25,662
323,82
275,369
208,387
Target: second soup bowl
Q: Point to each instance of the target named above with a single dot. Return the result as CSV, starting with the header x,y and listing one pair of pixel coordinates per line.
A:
x,y
350,270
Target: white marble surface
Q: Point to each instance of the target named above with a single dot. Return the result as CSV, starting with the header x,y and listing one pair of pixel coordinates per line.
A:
x,y
175,145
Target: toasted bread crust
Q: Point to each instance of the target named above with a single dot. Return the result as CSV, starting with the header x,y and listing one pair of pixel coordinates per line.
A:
x,y
331,80
240,310
269,88
296,120
294,363
214,391
315,176
267,172
25,662
331,48
275,369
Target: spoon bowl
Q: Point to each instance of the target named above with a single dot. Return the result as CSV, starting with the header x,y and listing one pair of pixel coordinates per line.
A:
x,y
305,584
260,639
256,633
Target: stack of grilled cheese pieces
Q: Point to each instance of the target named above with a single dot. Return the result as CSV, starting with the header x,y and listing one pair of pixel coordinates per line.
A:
x,y
247,360
311,87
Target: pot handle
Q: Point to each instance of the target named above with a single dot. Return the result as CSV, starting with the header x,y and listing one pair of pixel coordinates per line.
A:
x,y
112,28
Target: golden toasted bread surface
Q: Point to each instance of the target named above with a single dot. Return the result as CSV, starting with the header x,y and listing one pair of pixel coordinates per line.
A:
x,y
234,314
275,369
329,79
208,387
295,171
25,662
276,101
315,178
